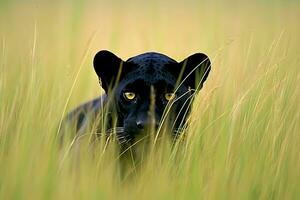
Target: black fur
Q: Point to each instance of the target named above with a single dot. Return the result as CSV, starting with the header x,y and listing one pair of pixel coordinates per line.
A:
x,y
150,76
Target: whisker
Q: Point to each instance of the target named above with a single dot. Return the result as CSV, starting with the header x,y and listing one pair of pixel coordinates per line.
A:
x,y
115,128
121,137
115,132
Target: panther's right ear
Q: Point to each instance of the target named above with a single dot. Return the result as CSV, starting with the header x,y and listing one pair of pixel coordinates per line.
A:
x,y
108,68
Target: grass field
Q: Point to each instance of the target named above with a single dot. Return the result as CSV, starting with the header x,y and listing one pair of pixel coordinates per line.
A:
x,y
243,140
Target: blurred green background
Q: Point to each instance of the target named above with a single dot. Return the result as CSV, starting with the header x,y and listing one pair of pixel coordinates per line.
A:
x,y
244,131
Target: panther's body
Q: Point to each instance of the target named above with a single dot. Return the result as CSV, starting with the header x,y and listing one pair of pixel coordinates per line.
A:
x,y
139,90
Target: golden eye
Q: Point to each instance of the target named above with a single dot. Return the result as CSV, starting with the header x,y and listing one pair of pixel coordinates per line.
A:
x,y
169,96
129,95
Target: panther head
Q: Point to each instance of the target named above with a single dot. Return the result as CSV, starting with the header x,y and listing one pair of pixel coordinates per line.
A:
x,y
150,89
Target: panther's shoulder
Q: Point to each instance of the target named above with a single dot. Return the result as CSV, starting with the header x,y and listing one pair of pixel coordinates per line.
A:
x,y
80,116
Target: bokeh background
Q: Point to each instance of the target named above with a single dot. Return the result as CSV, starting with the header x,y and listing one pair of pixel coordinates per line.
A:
x,y
245,126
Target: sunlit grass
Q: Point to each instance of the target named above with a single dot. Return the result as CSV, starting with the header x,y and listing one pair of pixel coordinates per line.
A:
x,y
243,136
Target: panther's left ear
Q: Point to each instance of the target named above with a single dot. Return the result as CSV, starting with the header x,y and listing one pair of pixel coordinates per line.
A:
x,y
108,67
195,69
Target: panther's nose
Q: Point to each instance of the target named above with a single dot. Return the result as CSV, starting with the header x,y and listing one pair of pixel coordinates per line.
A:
x,y
142,124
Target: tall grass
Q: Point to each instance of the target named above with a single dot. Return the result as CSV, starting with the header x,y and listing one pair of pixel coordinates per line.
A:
x,y
243,136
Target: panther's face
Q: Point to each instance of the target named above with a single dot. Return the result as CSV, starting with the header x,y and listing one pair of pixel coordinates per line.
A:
x,y
150,90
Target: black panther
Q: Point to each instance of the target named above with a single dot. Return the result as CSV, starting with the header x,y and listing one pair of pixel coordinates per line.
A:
x,y
142,92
